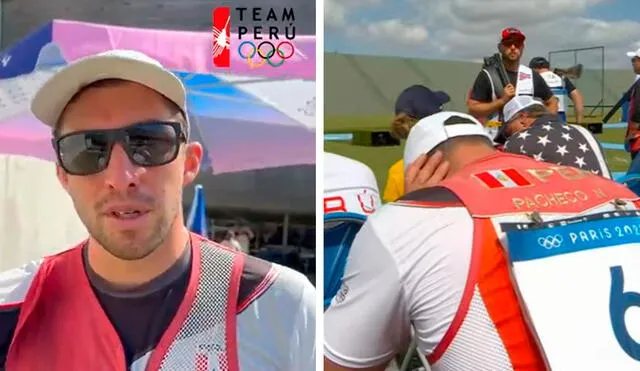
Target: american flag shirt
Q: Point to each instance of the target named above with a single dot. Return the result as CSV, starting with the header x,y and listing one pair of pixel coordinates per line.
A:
x,y
556,142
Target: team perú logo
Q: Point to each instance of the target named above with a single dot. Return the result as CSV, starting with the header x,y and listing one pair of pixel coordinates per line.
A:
x,y
367,202
268,45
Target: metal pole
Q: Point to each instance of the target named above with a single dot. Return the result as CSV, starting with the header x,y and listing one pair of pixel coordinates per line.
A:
x,y
258,239
1,25
575,61
602,80
285,230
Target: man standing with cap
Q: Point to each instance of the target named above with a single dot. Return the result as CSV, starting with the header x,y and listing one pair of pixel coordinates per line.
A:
x,y
488,267
413,104
142,292
561,87
489,93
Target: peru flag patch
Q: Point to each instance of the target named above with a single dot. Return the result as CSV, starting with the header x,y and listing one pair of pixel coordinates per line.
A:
x,y
505,178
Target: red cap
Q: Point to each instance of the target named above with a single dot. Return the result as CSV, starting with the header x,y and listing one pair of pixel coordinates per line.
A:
x,y
512,32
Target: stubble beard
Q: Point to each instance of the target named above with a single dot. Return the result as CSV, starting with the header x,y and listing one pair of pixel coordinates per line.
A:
x,y
131,245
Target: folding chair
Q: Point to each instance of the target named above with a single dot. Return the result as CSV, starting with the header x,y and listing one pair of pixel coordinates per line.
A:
x,y
413,349
632,181
340,229
632,178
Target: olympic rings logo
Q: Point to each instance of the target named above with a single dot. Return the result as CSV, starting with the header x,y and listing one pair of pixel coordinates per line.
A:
x,y
550,242
266,56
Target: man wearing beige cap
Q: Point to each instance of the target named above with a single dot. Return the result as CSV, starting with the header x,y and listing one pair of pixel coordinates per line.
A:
x,y
142,292
501,266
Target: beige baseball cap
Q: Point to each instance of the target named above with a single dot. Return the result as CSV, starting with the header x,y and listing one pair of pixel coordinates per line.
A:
x,y
130,65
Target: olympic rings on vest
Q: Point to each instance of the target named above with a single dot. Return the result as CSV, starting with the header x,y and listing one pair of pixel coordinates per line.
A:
x,y
266,56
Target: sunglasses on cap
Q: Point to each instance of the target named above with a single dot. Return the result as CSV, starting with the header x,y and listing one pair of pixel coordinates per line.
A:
x,y
147,144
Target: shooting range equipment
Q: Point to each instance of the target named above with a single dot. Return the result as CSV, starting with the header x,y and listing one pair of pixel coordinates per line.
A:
x,y
374,138
618,104
594,108
597,128
495,61
573,72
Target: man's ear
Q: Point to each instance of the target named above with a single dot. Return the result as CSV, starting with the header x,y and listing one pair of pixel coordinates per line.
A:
x,y
192,161
63,177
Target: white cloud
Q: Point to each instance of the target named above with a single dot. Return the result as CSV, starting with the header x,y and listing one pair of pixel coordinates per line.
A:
x,y
334,14
390,30
335,11
468,29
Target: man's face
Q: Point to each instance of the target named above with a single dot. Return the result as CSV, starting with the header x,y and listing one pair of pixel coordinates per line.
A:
x,y
155,193
635,62
511,49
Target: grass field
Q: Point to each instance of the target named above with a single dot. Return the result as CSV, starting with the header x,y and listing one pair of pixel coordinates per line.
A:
x,y
380,158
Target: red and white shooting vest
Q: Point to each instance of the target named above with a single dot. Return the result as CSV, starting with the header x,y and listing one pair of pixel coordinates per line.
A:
x,y
545,300
62,326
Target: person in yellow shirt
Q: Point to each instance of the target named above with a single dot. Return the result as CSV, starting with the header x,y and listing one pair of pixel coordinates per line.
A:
x,y
413,104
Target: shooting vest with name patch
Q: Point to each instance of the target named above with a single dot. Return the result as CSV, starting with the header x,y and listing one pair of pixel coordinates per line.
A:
x,y
532,289
524,86
62,326
556,84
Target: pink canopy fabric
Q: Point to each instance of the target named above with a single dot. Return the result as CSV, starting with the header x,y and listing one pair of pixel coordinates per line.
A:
x,y
247,118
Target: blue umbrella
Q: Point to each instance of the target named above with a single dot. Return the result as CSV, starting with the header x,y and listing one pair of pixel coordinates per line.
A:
x,y
197,219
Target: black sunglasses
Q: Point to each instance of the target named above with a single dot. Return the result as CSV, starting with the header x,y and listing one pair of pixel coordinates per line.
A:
x,y
147,144
510,42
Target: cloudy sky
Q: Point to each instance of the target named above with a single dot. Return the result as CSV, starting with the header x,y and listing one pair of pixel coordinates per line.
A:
x,y
468,29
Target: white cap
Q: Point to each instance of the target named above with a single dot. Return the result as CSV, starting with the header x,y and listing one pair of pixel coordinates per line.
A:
x,y
633,54
51,99
349,185
433,130
517,104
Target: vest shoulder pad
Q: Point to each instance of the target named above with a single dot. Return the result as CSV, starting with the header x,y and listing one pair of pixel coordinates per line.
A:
x,y
257,277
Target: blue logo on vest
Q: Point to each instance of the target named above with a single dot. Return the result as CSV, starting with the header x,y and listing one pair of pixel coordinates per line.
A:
x,y
619,302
